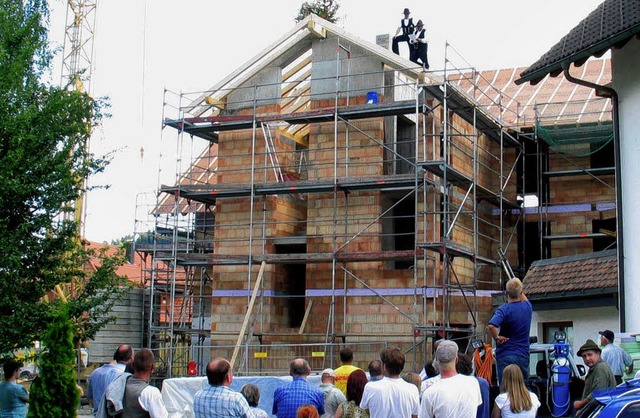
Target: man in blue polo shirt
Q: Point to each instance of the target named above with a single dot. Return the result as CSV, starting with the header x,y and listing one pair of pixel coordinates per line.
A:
x,y
509,328
288,398
100,378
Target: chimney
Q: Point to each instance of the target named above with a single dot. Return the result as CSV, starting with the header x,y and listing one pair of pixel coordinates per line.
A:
x,y
383,40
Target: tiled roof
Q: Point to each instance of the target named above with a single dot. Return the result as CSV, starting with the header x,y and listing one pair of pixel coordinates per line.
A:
x,y
611,24
580,273
518,103
130,271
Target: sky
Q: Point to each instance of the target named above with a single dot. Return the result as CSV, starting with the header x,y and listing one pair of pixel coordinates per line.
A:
x,y
143,47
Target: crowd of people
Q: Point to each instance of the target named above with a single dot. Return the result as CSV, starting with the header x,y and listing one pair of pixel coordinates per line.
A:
x,y
446,387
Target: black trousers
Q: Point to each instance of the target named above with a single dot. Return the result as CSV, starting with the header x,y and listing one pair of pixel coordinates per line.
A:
x,y
419,54
397,40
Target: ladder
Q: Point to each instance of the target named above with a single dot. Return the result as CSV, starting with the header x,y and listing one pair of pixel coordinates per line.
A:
x,y
271,151
504,262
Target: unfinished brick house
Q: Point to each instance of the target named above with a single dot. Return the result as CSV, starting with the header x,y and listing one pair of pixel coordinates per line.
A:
x,y
342,197
569,231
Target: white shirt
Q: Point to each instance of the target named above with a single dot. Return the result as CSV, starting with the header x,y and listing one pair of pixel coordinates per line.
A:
x,y
452,397
151,401
390,398
502,402
426,384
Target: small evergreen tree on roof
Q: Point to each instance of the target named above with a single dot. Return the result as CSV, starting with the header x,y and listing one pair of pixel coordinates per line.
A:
x,y
326,9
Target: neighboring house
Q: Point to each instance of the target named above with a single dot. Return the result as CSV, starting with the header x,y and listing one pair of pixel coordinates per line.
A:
x,y
615,26
577,294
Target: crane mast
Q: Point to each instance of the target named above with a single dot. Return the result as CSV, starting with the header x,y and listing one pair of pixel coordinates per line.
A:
x,y
77,68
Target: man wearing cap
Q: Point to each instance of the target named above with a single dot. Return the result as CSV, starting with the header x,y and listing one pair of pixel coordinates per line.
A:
x,y
599,376
406,27
332,395
288,398
455,395
391,396
614,356
418,47
509,327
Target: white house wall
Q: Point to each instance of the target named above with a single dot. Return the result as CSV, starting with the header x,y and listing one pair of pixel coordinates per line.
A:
x,y
626,80
586,322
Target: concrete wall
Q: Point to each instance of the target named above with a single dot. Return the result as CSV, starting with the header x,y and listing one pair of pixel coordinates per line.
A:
x,y
364,70
626,80
268,91
127,329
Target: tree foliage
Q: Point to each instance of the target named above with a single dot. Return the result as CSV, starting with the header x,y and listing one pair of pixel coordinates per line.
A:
x,y
54,394
326,9
43,159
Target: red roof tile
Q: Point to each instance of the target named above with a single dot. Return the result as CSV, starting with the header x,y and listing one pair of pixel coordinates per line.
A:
x,y
583,272
133,272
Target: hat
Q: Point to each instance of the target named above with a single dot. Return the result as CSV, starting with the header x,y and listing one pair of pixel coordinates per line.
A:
x,y
447,351
608,334
406,11
329,372
589,345
419,23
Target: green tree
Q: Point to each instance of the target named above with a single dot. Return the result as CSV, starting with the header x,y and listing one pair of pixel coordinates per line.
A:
x,y
54,393
43,159
326,9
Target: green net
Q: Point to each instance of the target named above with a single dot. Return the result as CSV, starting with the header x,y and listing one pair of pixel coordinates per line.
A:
x,y
579,140
578,127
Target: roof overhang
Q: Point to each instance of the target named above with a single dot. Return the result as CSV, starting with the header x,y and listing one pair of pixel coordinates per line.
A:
x,y
611,25
579,58
575,300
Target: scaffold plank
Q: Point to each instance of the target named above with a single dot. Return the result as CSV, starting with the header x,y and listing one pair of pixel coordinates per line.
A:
x,y
208,127
208,193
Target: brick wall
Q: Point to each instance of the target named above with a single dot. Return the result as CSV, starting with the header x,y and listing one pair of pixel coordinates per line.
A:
x,y
347,222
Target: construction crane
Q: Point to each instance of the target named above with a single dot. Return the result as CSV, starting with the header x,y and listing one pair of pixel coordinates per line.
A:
x,y
77,67
77,58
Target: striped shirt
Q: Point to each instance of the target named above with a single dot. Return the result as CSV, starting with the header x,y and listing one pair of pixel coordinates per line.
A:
x,y
219,402
617,359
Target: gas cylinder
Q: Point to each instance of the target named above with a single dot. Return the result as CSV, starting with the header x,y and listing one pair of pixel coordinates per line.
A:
x,y
561,372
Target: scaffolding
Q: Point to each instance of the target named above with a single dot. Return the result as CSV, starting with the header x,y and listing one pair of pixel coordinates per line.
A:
x,y
402,196
574,147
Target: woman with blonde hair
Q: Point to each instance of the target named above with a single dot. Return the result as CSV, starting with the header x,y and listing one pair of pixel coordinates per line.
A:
x,y
515,400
